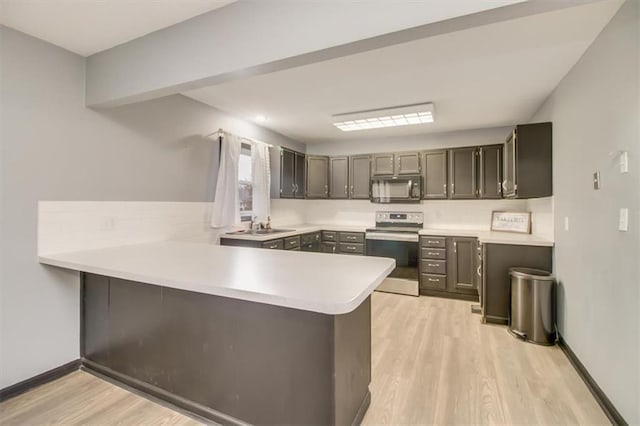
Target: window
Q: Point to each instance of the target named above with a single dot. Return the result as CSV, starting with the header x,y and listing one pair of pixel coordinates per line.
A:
x,y
245,183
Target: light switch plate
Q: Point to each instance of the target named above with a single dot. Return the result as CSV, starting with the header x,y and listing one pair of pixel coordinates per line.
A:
x,y
624,162
623,223
596,180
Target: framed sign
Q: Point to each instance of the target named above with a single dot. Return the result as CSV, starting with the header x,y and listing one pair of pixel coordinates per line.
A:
x,y
519,222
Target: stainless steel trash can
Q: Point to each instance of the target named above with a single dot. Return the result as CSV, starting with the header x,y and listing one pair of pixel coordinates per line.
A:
x,y
532,312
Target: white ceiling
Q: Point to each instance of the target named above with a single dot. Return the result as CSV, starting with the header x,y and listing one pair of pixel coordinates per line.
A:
x,y
90,26
487,76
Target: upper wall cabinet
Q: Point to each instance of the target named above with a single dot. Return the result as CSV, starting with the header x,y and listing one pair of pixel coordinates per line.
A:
x,y
405,163
360,177
382,165
317,176
490,171
462,173
339,177
288,172
435,167
527,162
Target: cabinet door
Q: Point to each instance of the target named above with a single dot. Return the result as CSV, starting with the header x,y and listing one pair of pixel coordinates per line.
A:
x,y
509,183
435,176
382,165
317,176
407,163
490,171
461,275
339,177
360,177
329,247
287,173
462,173
299,179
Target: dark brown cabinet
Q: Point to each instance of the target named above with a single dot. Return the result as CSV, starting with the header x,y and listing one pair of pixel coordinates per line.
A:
x,y
317,176
382,165
490,171
292,172
360,177
407,163
300,174
287,173
339,177
462,173
497,259
404,163
462,265
448,267
528,162
435,174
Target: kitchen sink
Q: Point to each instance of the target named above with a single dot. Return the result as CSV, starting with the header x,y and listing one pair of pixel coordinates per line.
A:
x,y
260,232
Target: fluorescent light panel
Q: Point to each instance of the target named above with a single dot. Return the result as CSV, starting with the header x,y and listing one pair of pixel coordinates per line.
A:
x,y
390,117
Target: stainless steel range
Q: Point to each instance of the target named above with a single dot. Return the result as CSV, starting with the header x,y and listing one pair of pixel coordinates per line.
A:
x,y
396,236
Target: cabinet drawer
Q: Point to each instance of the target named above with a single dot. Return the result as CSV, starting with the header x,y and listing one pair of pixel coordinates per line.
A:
x,y
351,248
438,242
329,236
433,253
291,242
438,282
274,244
433,267
352,237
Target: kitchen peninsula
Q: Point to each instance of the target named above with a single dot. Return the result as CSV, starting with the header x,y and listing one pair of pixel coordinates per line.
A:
x,y
230,333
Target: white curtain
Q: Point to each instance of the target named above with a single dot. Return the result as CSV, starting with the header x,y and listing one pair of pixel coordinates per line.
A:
x,y
261,185
226,206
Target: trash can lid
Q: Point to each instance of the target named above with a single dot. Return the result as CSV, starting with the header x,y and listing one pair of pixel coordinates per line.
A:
x,y
533,274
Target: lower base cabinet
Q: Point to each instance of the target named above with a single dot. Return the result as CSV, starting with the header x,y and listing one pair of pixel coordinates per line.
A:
x,y
497,259
448,267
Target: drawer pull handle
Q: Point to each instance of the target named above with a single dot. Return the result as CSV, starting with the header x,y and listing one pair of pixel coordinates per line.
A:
x,y
351,248
433,265
433,242
292,242
433,254
433,280
351,237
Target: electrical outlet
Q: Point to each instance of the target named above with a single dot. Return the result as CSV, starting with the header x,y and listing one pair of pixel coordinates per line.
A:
x,y
566,223
596,180
623,221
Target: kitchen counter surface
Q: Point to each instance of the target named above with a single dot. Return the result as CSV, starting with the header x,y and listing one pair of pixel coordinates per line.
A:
x,y
491,237
484,236
314,282
294,230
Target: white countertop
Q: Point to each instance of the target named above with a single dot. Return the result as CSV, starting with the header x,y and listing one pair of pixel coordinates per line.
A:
x,y
316,282
484,236
491,237
294,230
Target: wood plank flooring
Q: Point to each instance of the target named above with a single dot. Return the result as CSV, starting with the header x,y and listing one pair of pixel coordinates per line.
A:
x,y
433,363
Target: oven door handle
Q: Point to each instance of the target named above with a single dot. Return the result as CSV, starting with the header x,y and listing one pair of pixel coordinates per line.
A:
x,y
388,236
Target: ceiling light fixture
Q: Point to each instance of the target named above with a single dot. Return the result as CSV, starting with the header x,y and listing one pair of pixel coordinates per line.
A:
x,y
387,117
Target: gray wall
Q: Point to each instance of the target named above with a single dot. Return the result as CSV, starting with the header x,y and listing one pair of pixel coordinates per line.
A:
x,y
595,112
414,142
54,148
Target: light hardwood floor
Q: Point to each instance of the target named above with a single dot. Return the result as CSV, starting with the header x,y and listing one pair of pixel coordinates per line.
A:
x,y
433,363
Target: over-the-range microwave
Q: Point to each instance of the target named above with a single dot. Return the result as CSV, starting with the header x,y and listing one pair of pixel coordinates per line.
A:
x,y
396,189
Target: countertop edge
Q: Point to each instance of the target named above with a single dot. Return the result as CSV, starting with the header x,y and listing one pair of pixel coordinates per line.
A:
x,y
337,308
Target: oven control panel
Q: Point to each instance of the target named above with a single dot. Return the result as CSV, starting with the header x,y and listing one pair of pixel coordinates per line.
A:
x,y
400,217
